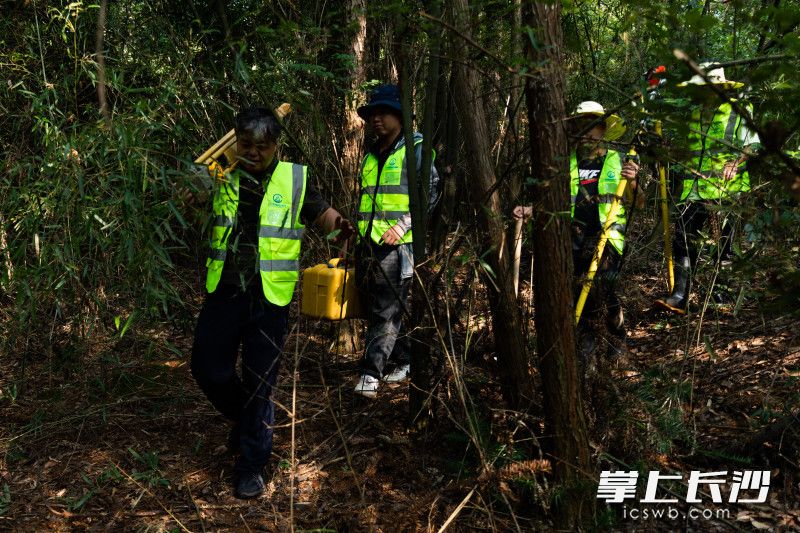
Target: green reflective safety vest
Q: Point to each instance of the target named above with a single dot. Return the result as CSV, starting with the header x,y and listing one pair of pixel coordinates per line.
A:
x,y
386,194
711,146
279,233
606,189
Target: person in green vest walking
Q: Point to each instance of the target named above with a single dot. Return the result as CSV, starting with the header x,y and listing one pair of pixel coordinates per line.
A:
x,y
384,259
259,212
714,176
595,172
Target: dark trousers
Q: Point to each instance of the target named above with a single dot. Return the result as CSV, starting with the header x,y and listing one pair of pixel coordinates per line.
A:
x,y
383,294
692,218
602,299
230,318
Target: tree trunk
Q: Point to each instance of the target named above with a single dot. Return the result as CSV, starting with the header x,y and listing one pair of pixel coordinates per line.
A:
x,y
5,256
509,343
100,57
447,159
422,329
564,420
419,317
353,125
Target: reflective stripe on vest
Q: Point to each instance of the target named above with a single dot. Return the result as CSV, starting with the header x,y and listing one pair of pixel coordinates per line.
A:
x,y
389,194
607,189
279,234
711,145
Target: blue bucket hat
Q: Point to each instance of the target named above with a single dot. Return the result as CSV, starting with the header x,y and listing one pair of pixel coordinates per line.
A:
x,y
383,95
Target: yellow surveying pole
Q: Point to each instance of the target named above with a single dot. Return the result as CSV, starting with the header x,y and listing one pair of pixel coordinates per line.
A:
x,y
217,149
601,244
662,190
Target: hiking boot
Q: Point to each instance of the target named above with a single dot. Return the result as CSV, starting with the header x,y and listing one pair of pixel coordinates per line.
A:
x,y
367,386
678,301
398,374
250,485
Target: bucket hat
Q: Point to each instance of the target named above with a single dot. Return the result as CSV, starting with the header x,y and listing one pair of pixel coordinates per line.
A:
x,y
383,95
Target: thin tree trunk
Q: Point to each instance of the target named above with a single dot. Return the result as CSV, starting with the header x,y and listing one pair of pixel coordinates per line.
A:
x,y
419,319
446,161
422,330
592,54
101,62
353,125
568,443
509,343
5,252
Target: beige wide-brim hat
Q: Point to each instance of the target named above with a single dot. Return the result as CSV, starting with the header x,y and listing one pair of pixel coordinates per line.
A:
x,y
615,125
716,77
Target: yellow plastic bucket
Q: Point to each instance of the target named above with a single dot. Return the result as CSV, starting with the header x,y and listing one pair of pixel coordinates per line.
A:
x,y
329,291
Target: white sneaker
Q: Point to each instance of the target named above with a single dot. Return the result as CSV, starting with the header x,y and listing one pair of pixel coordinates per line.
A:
x,y
398,374
367,386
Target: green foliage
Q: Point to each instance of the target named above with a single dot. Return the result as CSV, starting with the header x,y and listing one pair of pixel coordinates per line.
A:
x,y
5,499
9,394
605,519
727,458
110,476
664,398
99,220
151,474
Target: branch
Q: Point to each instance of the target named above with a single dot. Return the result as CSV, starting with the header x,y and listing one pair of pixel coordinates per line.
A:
x,y
471,42
751,60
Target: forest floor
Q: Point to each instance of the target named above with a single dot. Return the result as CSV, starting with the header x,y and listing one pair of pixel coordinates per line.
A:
x,y
114,435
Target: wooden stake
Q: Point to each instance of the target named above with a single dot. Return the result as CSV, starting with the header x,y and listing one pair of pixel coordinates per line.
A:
x,y
517,253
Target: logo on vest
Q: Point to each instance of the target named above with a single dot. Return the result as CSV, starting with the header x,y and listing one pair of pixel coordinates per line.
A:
x,y
610,174
277,198
392,164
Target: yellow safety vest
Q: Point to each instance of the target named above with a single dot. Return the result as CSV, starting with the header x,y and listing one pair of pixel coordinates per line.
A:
x,y
279,234
606,190
710,146
386,194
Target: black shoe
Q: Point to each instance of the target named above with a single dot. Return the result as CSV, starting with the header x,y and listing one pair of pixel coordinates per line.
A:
x,y
250,485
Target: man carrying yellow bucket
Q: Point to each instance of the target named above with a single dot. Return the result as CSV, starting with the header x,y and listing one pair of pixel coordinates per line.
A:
x,y
260,210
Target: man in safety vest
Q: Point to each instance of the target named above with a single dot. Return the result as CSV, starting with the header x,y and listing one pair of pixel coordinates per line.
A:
x,y
714,175
595,172
385,261
259,213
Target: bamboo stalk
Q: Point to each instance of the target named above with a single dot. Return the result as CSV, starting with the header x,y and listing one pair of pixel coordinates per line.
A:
x,y
217,148
517,253
457,511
